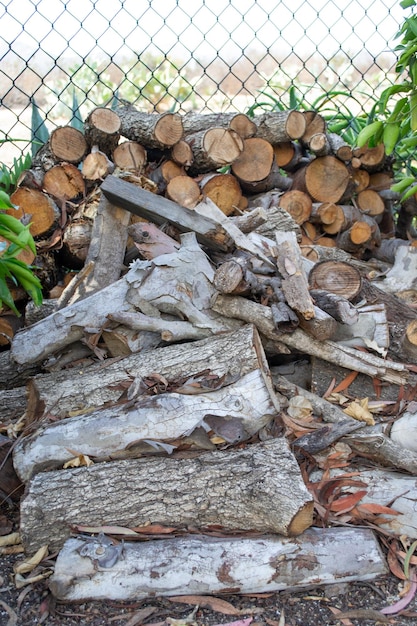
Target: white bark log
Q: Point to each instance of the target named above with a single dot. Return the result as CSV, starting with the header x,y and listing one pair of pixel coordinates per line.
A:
x,y
115,431
203,565
386,487
76,391
403,274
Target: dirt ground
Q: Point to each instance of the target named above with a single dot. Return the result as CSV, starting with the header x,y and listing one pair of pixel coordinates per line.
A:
x,y
33,605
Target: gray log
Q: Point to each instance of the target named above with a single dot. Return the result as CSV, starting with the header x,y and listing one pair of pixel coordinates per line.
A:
x,y
259,488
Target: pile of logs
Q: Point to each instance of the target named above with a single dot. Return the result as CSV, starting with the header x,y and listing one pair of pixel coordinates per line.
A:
x,y
223,275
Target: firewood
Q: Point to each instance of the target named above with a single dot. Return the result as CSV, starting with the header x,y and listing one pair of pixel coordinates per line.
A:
x,y
163,173
65,144
387,249
255,161
325,179
370,159
340,148
287,154
151,130
322,326
329,215
239,122
182,154
280,126
254,313
328,555
250,220
214,148
13,376
298,204
361,178
370,330
96,166
102,130
61,393
315,123
76,241
410,339
262,479
319,144
12,404
274,181
382,450
402,274
294,283
337,277
9,325
38,208
371,203
224,190
130,428
382,487
130,155
64,182
183,190
337,306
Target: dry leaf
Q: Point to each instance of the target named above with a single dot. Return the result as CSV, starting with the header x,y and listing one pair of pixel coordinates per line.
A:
x,y
359,411
208,602
299,407
20,581
81,460
23,567
10,540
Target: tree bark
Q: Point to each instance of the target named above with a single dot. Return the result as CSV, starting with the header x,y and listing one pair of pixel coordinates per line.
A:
x,y
76,391
102,130
132,429
214,148
191,565
239,122
263,480
151,130
280,126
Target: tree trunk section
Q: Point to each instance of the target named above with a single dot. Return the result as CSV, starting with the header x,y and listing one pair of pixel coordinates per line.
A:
x,y
151,130
214,148
192,565
263,480
64,182
42,210
337,277
130,155
102,130
280,126
255,161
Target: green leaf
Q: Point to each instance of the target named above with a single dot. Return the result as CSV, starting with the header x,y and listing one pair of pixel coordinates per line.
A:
x,y
403,184
40,133
406,4
5,202
370,131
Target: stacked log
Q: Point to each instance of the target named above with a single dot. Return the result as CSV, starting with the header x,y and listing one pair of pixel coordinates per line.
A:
x,y
200,267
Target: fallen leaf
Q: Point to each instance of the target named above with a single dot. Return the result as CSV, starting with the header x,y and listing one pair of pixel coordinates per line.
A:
x,y
23,567
208,602
107,530
359,411
345,383
10,540
81,460
12,615
241,622
405,601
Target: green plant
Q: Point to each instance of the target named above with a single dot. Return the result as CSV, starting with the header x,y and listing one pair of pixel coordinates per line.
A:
x,y
14,238
393,119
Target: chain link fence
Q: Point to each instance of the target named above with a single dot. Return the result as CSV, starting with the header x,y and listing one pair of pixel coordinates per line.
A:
x,y
206,55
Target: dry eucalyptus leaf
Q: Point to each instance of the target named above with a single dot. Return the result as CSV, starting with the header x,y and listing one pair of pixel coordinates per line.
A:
x,y
23,567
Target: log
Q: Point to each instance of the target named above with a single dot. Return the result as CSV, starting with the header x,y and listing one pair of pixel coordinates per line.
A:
x,y
102,130
148,242
96,166
38,207
76,241
12,404
169,288
280,126
239,122
12,375
329,215
254,162
315,123
325,179
105,253
263,480
370,330
194,565
261,316
64,182
298,204
65,144
214,148
294,283
370,159
184,190
182,154
119,432
224,190
151,130
130,155
10,323
274,181
370,202
338,277
403,273
76,391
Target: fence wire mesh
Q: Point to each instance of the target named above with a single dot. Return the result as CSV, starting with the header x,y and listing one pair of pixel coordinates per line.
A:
x,y
207,55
